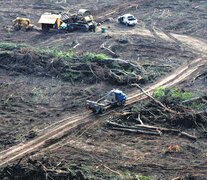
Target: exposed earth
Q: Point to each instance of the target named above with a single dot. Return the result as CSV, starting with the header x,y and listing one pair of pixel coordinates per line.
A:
x,y
46,132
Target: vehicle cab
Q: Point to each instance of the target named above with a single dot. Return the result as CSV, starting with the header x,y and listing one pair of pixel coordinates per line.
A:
x,y
127,19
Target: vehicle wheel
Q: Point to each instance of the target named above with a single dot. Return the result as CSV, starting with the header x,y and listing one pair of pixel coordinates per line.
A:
x,y
70,28
86,28
45,28
17,27
119,20
118,103
123,102
102,110
97,108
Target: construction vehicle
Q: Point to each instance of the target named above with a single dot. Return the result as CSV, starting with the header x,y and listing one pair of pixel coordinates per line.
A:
x,y
82,21
127,19
113,98
22,24
49,21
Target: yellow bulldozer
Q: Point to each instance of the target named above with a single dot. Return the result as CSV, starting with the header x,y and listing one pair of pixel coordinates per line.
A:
x,y
83,20
22,24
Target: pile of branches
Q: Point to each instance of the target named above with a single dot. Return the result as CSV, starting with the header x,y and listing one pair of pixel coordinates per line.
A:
x,y
163,118
74,68
37,170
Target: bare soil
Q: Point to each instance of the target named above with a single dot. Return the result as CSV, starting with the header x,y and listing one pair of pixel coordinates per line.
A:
x,y
169,33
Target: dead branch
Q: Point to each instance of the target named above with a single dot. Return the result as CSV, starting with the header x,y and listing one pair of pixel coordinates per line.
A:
x,y
138,131
121,61
93,72
112,52
122,114
156,65
139,119
184,134
194,99
155,100
76,46
52,170
116,172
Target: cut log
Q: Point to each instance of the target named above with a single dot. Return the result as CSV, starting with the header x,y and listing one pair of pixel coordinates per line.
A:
x,y
157,133
149,128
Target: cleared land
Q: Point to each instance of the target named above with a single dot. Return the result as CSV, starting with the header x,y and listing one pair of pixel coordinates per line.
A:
x,y
37,89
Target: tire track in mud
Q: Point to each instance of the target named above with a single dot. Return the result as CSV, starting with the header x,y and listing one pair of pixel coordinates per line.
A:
x,y
72,122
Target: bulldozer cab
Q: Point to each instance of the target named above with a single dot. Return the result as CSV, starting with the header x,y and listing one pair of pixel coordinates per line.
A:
x,y
84,13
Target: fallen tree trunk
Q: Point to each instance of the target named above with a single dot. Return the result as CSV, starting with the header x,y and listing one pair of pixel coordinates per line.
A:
x,y
149,128
157,133
155,100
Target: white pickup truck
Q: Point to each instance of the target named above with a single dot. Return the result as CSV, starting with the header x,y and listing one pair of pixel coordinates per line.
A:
x,y
127,19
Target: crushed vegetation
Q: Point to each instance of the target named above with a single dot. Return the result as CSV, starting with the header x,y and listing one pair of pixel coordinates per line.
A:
x,y
68,66
183,110
46,168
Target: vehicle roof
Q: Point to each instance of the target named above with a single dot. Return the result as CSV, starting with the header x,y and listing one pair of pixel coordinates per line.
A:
x,y
19,18
48,18
117,91
127,15
82,11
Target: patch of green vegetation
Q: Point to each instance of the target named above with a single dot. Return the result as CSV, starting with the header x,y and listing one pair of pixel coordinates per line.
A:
x,y
128,176
173,94
91,56
159,91
138,108
55,53
70,54
12,46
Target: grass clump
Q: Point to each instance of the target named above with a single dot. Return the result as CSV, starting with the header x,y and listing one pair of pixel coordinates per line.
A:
x,y
12,46
54,53
91,56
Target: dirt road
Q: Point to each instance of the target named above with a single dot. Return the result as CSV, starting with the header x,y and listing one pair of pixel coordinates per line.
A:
x,y
70,123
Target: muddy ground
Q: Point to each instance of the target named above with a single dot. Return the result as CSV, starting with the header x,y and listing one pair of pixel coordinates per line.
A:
x,y
31,101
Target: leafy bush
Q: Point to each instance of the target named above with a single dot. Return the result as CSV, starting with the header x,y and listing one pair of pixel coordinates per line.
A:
x,y
159,91
172,95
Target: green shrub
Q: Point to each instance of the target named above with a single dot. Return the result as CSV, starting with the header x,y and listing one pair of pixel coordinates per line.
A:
x,y
172,96
159,91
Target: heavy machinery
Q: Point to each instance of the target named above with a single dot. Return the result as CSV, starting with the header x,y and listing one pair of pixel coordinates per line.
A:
x,y
49,21
82,21
22,24
114,97
127,19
